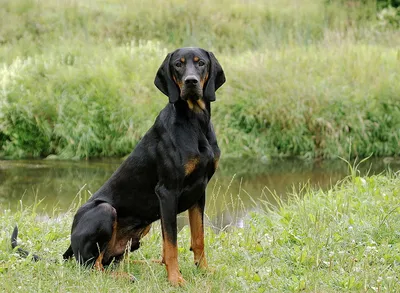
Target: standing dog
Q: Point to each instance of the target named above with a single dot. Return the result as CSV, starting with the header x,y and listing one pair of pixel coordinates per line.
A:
x,y
166,174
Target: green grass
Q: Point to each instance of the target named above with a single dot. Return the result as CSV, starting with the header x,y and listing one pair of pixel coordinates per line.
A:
x,y
304,78
235,25
343,240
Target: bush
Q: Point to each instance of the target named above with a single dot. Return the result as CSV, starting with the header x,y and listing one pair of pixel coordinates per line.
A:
x,y
387,3
389,17
308,78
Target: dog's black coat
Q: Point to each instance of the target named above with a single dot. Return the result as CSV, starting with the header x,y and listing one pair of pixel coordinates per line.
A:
x,y
168,171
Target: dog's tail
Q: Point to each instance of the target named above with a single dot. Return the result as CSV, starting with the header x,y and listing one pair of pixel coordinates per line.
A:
x,y
20,251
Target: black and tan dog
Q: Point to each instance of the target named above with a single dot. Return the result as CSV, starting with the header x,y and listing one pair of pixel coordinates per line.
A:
x,y
166,174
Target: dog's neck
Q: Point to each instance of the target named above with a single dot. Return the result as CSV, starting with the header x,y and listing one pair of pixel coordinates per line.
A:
x,y
197,109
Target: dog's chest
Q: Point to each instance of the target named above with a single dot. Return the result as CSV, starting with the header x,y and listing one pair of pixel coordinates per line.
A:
x,y
200,160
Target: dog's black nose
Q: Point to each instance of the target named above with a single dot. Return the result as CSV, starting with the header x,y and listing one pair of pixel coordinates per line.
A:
x,y
191,80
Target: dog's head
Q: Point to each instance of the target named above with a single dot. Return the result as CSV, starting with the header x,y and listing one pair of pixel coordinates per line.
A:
x,y
190,74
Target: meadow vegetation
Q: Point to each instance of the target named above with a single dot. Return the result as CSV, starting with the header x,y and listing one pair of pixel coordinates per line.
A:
x,y
344,239
314,79
306,78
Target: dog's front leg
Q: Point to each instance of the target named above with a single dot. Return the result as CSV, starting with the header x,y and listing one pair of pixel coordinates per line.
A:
x,y
196,220
168,209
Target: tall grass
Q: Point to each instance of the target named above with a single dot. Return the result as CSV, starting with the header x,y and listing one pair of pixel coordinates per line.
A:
x,y
305,78
234,25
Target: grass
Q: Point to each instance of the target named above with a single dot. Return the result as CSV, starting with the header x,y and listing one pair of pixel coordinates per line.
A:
x,y
233,25
343,240
314,79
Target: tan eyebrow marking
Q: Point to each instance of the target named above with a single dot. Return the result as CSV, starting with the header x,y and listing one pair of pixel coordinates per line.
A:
x,y
195,59
183,60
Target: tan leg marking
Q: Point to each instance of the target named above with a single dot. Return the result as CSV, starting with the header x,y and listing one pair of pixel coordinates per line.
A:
x,y
170,252
197,237
113,241
98,265
145,231
118,275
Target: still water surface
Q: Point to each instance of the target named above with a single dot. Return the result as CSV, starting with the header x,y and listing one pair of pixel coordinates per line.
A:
x,y
239,186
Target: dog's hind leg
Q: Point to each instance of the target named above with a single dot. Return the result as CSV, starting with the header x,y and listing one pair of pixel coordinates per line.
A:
x,y
94,229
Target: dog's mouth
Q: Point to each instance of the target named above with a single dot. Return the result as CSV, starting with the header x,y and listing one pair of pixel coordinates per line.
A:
x,y
191,92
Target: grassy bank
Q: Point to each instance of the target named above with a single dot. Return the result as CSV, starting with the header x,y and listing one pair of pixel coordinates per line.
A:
x,y
308,78
342,240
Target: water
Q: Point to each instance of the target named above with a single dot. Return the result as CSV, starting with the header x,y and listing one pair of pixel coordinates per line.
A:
x,y
238,186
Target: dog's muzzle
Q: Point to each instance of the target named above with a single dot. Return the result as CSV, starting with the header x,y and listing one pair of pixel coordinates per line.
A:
x,y
191,88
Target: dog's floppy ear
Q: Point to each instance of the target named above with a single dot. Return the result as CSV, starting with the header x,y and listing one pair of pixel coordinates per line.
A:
x,y
216,78
164,82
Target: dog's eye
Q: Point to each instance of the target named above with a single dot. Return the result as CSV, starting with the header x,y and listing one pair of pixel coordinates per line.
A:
x,y
178,64
201,63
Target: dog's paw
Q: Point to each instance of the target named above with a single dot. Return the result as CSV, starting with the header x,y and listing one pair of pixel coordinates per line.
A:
x,y
124,276
176,280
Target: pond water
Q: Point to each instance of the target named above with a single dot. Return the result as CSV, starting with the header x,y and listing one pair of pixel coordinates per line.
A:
x,y
239,186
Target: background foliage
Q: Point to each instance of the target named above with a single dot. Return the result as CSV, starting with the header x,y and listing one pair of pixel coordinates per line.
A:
x,y
305,78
